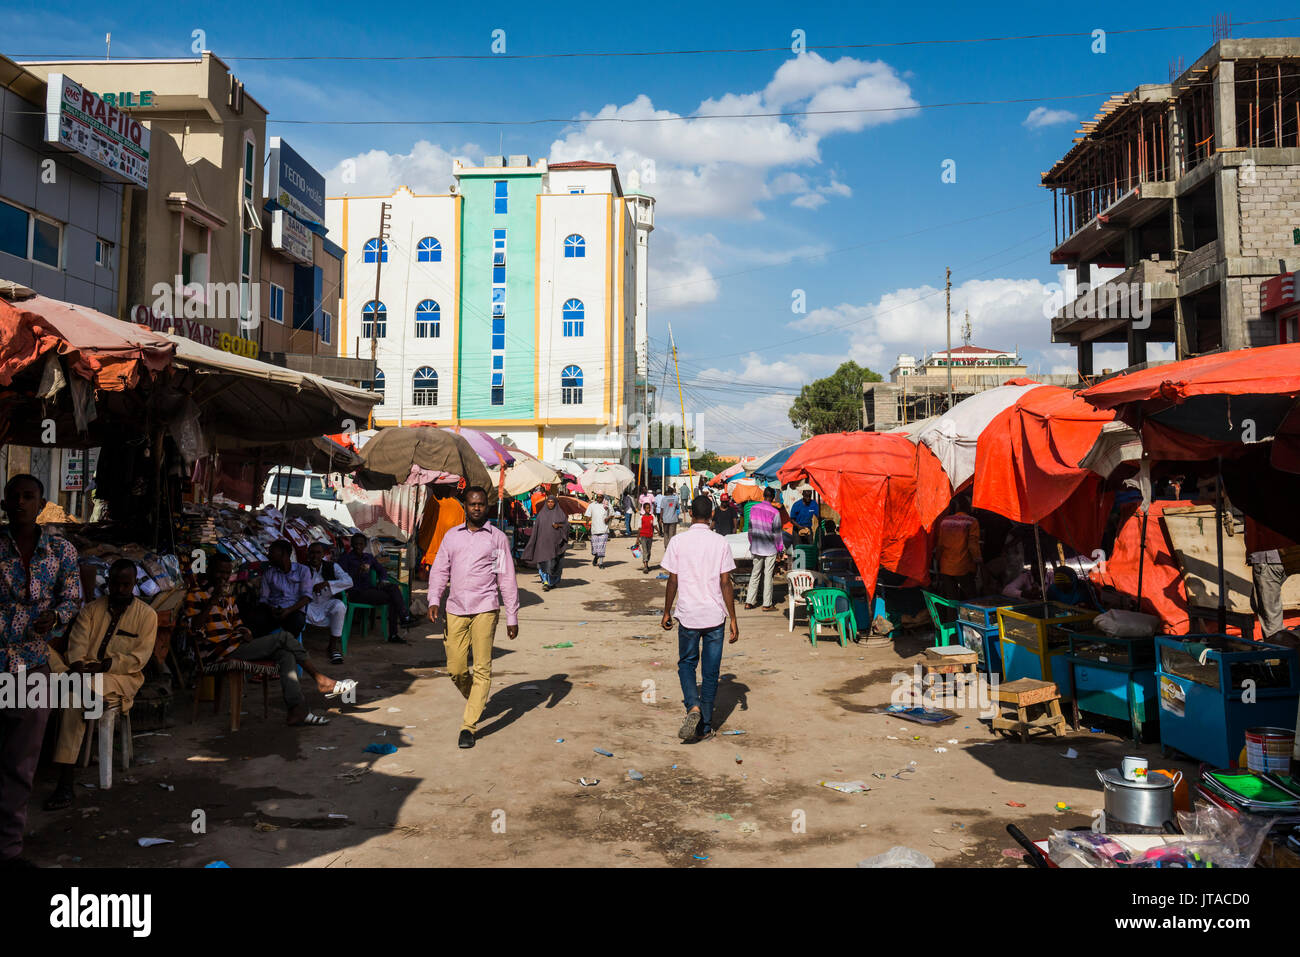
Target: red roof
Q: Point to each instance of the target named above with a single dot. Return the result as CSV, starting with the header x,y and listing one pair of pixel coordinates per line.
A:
x,y
580,164
967,350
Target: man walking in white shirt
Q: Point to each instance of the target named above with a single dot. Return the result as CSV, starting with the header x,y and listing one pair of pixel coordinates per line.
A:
x,y
598,513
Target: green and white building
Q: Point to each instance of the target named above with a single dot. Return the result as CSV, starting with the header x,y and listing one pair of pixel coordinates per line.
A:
x,y
515,303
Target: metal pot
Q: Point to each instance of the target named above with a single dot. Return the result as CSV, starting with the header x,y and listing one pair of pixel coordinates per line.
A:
x,y
1148,803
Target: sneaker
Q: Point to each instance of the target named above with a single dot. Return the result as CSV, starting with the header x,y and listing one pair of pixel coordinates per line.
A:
x,y
336,658
466,740
706,732
689,726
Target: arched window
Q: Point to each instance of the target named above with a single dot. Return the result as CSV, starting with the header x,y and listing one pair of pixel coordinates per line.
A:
x,y
425,381
571,386
428,250
575,247
376,249
376,314
377,384
573,315
427,320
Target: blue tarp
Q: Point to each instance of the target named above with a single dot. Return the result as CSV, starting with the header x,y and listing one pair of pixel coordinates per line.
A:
x,y
766,471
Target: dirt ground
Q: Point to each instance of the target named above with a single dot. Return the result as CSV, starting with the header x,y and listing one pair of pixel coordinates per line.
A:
x,y
271,796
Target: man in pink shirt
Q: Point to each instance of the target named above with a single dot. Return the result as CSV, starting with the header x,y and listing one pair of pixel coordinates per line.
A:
x,y
475,560
699,566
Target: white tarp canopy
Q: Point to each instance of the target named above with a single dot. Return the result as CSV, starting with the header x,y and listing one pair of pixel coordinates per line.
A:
x,y
952,437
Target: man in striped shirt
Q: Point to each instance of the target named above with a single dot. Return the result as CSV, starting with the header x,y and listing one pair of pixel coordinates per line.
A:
x,y
765,543
219,633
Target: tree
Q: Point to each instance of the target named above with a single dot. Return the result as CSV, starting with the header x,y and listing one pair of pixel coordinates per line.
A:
x,y
833,404
704,460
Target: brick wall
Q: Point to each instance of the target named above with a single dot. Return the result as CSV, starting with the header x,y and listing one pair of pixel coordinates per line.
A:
x,y
1269,198
1259,332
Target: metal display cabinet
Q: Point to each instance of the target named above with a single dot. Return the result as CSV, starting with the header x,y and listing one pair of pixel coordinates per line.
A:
x,y
977,629
1213,688
1034,641
1115,677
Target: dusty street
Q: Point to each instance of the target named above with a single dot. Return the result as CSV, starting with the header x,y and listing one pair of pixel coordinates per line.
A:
x,y
265,794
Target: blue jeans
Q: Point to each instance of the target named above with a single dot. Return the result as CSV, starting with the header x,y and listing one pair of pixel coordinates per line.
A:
x,y
689,641
628,518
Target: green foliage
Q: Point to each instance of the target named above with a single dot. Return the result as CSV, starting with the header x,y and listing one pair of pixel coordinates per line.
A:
x,y
833,404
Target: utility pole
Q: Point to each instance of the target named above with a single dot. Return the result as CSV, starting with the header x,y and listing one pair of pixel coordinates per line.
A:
x,y
948,311
379,265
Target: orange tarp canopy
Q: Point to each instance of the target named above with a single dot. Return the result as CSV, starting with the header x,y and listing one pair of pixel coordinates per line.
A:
x,y
880,483
1027,466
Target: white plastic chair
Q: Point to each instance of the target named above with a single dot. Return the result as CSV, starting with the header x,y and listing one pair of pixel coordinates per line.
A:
x,y
798,582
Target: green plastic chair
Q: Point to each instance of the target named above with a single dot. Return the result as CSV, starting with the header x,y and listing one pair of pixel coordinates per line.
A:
x,y
944,615
369,614
826,605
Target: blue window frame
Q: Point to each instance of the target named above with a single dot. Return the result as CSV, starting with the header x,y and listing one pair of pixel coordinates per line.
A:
x,y
376,313
498,300
574,312
498,395
498,274
575,247
326,327
571,386
377,384
500,197
428,320
498,333
374,248
275,308
428,250
425,385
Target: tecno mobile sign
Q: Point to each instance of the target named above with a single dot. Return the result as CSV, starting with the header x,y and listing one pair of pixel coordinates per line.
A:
x,y
80,121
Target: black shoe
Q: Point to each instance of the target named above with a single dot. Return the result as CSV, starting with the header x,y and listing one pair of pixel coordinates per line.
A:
x,y
61,798
336,658
466,739
397,640
705,732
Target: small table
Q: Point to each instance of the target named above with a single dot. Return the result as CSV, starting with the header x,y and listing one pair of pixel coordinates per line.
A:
x,y
1023,694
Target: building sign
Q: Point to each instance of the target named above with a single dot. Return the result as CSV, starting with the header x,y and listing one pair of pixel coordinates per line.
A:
x,y
76,470
291,237
198,331
128,99
1277,292
80,121
295,185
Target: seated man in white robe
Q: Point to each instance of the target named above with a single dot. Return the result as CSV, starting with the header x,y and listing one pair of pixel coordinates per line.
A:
x,y
326,609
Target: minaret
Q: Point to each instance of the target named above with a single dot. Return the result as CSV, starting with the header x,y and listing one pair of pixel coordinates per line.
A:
x,y
643,214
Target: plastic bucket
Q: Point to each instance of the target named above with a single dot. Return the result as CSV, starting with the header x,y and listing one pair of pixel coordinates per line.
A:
x,y
1268,750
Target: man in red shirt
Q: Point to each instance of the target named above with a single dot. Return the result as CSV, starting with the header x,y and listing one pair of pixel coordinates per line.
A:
x,y
959,551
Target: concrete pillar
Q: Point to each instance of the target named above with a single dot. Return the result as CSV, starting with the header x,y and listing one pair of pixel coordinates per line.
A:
x,y
1085,358
1225,105
1177,144
1227,212
1232,320
1137,346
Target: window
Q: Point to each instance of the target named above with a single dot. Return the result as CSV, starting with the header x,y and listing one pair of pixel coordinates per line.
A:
x,y
428,250
320,490
252,222
376,250
498,300
326,327
577,190
498,333
103,253
426,386
30,236
573,315
275,308
427,320
377,314
290,485
498,275
376,384
571,386
498,395
498,247
575,247
500,195
250,167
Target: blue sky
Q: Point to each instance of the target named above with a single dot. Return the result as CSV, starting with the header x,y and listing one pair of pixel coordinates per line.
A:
x,y
850,208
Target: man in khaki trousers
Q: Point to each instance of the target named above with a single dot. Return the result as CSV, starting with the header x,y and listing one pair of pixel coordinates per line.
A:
x,y
475,564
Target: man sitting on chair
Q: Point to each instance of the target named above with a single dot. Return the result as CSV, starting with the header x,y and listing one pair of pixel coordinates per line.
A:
x,y
325,607
286,590
112,637
358,563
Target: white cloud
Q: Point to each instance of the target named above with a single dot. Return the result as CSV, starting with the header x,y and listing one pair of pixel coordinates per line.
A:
x,y
678,277
426,169
809,201
1041,116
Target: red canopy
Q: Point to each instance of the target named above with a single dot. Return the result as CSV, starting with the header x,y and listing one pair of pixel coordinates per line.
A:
x,y
879,483
108,351
1027,466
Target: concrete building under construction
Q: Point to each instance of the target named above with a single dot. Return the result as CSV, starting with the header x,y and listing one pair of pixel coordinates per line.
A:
x,y
1192,190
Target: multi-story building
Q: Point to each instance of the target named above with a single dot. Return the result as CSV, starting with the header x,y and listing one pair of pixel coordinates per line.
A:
x,y
1182,198
512,303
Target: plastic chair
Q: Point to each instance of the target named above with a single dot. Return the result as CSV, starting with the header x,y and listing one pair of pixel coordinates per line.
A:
x,y
367,619
798,582
100,731
826,605
944,615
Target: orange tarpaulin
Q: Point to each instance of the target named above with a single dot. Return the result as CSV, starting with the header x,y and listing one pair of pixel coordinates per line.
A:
x,y
441,515
111,353
876,481
1163,592
1027,466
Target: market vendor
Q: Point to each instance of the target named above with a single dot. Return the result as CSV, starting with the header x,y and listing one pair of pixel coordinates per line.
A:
x,y
40,588
285,594
326,608
1264,556
359,563
212,615
114,637
958,549
804,515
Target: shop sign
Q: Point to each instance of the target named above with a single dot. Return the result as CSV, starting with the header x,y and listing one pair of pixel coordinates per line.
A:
x,y
1277,292
82,122
295,184
198,331
76,469
291,237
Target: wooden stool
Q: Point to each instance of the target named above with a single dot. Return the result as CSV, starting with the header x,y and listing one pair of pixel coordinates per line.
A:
x,y
1023,694
950,660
